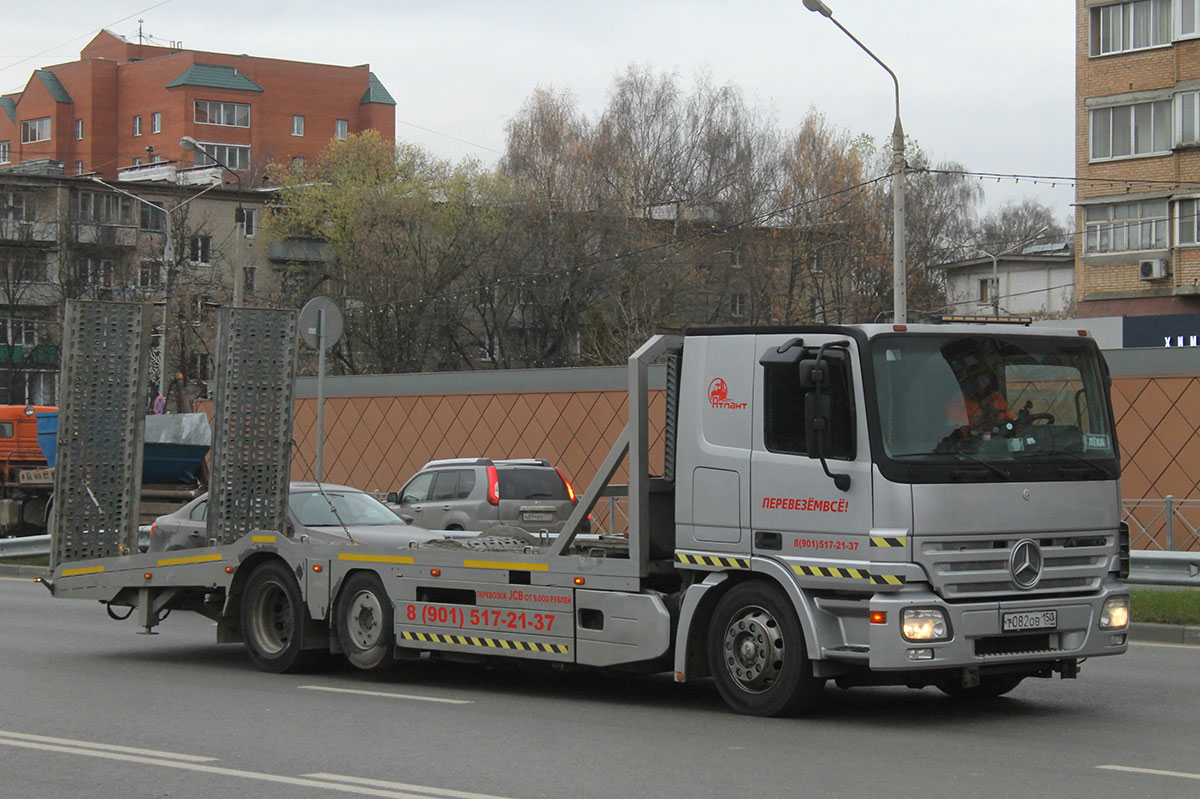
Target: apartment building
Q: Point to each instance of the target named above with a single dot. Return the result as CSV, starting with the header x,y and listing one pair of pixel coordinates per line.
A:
x,y
124,104
1138,157
174,242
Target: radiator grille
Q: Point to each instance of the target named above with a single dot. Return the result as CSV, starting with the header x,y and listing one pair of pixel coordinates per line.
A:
x,y
962,567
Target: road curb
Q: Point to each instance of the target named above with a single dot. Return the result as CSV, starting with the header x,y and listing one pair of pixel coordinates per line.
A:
x,y
10,570
1145,632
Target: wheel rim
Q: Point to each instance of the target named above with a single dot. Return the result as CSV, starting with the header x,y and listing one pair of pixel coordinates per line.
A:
x,y
753,649
365,620
273,618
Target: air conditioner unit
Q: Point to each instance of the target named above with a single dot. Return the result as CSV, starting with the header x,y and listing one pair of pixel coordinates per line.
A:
x,y
1152,269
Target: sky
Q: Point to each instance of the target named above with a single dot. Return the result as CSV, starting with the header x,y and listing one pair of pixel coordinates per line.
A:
x,y
987,84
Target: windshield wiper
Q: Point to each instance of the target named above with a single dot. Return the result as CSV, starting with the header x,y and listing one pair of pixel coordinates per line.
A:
x,y
989,466
1085,461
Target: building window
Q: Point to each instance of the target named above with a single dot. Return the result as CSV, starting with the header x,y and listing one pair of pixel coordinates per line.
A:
x,y
297,164
234,156
248,279
1187,118
1186,213
1130,130
154,219
738,305
155,158
137,125
1130,26
1125,227
104,208
78,167
5,151
156,122
17,206
200,250
99,273
297,125
34,130
1187,18
79,130
137,161
342,129
250,222
150,275
212,112
984,295
20,333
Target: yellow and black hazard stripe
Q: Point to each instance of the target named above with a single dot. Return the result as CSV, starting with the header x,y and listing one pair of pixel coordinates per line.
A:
x,y
849,574
690,559
878,541
487,643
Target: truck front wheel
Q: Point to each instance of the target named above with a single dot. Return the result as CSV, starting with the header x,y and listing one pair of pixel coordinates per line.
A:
x,y
365,622
273,617
756,653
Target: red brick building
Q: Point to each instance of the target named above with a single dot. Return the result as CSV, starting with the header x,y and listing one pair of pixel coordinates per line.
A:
x,y
123,104
1137,86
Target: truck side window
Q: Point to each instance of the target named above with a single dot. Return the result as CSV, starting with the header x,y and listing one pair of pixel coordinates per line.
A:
x,y
6,429
784,410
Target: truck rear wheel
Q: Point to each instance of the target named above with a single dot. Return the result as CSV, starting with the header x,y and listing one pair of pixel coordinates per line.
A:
x,y
756,653
273,618
365,623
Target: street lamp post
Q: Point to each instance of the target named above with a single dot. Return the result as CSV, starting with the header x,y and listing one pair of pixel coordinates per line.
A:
x,y
239,218
899,278
168,261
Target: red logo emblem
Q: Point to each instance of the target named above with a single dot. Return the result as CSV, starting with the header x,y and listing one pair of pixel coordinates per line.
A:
x,y
718,395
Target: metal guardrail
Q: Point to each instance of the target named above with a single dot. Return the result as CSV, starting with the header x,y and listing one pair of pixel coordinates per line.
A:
x,y
1152,567
25,547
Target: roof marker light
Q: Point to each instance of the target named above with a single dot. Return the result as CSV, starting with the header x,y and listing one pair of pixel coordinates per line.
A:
x,y
900,328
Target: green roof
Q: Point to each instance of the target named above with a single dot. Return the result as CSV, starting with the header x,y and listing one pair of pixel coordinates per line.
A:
x,y
53,85
215,76
10,107
376,93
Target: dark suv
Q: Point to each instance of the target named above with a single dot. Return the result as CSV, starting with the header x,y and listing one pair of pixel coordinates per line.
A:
x,y
476,493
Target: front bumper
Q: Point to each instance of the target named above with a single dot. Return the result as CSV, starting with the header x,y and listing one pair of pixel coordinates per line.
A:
x,y
977,639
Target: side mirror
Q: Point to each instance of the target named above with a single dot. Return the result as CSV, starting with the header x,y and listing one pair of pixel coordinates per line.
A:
x,y
813,374
407,519
817,429
393,498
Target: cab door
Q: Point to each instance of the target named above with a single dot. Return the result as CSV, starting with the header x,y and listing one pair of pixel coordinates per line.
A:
x,y
796,510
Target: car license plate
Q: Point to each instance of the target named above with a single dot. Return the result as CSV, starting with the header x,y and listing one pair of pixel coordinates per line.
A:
x,y
536,516
1037,620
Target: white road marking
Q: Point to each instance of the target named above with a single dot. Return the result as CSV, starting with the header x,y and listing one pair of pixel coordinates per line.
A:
x,y
387,694
1163,644
400,786
129,750
341,784
1154,771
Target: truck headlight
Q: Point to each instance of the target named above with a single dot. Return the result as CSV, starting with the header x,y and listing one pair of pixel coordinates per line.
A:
x,y
924,624
1115,613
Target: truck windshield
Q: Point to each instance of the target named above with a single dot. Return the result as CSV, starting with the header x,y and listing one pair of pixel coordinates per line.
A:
x,y
993,407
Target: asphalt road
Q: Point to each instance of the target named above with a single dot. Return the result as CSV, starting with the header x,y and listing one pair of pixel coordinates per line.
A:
x,y
89,708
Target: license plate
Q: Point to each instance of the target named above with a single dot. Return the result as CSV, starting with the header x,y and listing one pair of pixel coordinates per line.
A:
x,y
1038,620
529,516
